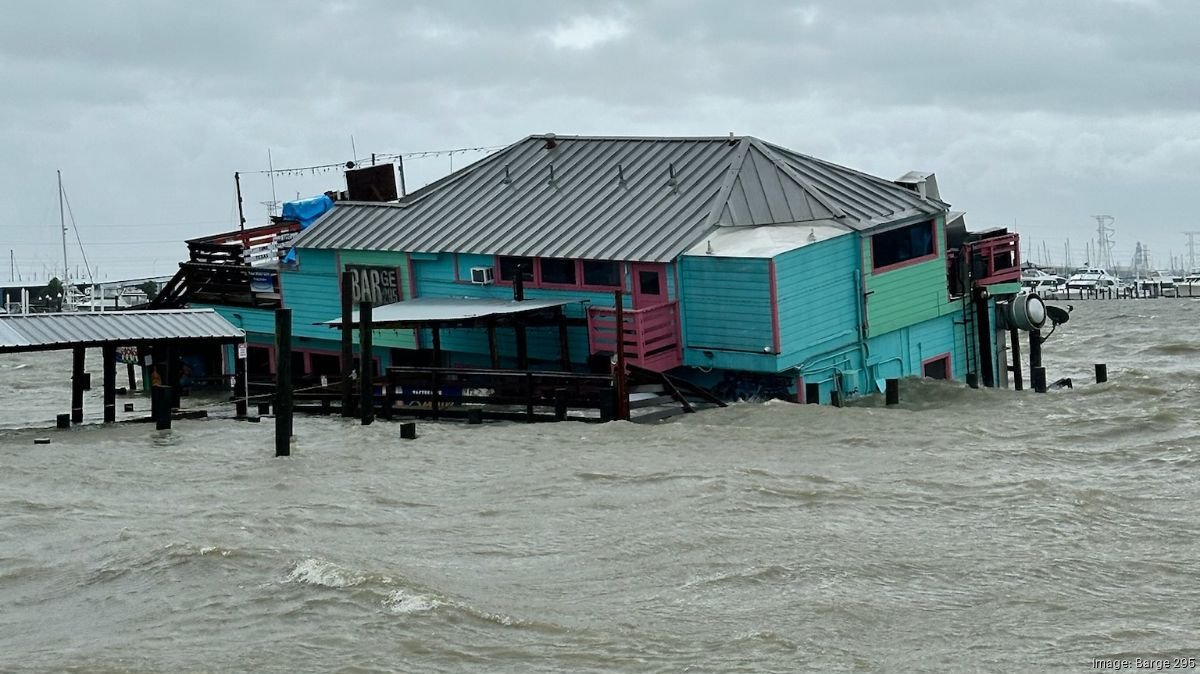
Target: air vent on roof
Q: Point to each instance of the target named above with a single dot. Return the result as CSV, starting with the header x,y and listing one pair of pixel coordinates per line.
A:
x,y
551,142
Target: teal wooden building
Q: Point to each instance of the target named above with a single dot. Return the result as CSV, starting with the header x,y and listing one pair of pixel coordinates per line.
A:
x,y
743,266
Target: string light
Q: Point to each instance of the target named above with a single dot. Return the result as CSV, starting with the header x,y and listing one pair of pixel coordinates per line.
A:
x,y
326,168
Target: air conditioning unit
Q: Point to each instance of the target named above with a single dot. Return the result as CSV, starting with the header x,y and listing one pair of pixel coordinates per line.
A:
x,y
482,275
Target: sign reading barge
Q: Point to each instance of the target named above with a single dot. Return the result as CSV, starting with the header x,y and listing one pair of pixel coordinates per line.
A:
x,y
378,285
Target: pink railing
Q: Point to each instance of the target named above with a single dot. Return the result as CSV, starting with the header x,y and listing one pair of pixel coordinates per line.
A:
x,y
999,259
651,336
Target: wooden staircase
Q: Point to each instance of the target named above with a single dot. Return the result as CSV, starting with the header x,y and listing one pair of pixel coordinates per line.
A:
x,y
655,396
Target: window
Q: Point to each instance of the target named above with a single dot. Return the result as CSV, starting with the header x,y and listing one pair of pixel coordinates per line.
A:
x,y
508,266
937,368
258,360
298,364
601,273
558,271
648,283
901,245
326,364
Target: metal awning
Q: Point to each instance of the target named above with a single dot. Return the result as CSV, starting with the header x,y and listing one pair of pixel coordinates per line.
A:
x,y
45,332
427,312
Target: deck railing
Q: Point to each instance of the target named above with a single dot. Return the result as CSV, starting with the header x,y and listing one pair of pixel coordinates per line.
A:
x,y
993,260
650,336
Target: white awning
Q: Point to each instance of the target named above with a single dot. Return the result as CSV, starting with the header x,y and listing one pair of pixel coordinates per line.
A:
x,y
450,310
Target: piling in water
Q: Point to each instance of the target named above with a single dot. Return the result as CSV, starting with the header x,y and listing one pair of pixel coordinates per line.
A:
x,y
366,365
160,407
63,420
1039,379
283,382
77,385
408,430
1101,373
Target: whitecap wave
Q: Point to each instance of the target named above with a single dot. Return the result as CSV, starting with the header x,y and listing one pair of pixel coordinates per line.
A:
x,y
402,602
325,574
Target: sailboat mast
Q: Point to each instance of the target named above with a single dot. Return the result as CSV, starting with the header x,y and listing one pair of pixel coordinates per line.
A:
x,y
62,223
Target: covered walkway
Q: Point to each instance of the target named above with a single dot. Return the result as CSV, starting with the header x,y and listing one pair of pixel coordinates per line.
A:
x,y
157,336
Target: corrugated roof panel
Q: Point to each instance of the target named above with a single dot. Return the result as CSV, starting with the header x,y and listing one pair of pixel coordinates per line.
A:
x,y
613,198
40,331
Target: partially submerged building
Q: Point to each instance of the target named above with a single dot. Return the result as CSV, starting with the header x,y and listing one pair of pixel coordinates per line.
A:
x,y
740,265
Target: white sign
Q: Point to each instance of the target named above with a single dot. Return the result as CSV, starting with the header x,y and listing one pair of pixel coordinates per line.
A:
x,y
378,285
241,351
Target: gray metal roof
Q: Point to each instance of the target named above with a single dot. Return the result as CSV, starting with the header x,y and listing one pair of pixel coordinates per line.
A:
x,y
611,198
450,309
37,332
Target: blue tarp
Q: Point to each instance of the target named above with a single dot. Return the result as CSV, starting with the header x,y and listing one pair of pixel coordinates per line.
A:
x,y
306,211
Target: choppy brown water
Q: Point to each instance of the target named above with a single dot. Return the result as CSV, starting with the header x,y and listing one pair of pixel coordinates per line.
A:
x,y
963,531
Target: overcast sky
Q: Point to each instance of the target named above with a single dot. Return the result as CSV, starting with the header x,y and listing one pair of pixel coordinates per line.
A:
x,y
1037,113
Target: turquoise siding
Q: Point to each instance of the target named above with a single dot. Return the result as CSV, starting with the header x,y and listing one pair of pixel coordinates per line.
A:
x,y
818,299
900,353
313,293
726,312
256,322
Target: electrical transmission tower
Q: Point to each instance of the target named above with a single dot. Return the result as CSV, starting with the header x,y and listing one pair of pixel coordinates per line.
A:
x,y
1191,250
1104,240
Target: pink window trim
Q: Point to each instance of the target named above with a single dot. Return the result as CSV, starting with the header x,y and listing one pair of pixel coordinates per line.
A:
x,y
945,357
537,281
906,263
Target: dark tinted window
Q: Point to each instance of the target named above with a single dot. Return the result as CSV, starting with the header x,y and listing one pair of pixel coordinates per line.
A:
x,y
903,244
509,264
648,283
601,273
558,271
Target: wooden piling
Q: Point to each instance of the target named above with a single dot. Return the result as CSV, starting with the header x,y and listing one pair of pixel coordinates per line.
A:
x,y
283,382
366,364
347,344
160,406
63,421
1035,354
812,394
1014,338
77,377
835,398
892,394
110,383
529,397
408,430
1101,373
1039,379
972,380
560,404
239,372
